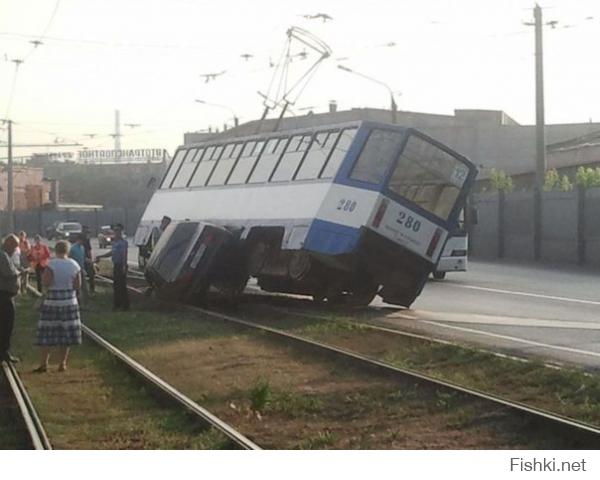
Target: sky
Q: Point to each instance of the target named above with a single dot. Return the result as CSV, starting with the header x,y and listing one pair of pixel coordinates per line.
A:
x,y
146,57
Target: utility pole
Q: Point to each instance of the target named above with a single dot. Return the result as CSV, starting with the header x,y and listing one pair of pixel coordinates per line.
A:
x,y
9,183
540,126
540,135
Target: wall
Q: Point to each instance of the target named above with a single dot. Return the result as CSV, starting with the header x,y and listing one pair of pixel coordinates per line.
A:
x,y
568,223
38,220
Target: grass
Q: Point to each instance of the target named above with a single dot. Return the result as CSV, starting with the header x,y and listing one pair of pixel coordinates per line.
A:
x,y
273,393
568,391
260,395
147,324
321,440
96,404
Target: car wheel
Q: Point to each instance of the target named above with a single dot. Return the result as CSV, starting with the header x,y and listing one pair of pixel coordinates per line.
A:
x,y
439,275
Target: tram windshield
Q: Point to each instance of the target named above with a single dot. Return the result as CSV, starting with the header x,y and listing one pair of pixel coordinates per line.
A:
x,y
428,176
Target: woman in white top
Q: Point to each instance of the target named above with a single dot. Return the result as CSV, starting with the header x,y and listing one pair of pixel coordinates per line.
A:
x,y
59,324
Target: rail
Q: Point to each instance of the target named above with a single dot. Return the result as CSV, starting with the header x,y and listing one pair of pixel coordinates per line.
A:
x,y
590,433
35,429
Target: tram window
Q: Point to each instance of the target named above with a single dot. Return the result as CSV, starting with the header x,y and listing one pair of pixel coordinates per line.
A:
x,y
173,168
339,152
245,163
317,156
268,160
291,158
225,164
187,167
377,155
206,166
428,176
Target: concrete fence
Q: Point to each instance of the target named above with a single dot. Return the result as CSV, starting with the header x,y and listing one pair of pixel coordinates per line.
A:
x,y
543,226
39,220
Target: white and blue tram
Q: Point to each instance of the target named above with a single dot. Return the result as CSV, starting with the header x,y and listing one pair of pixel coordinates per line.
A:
x,y
340,212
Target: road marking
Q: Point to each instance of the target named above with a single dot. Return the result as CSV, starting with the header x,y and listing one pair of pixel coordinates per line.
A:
x,y
496,320
526,294
515,339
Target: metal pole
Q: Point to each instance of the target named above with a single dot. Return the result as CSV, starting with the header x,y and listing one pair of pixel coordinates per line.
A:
x,y
540,135
540,130
9,183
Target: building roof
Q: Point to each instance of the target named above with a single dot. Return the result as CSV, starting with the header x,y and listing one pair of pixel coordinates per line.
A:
x,y
489,138
78,206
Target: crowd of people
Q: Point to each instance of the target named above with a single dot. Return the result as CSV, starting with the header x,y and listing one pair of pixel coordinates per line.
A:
x,y
64,280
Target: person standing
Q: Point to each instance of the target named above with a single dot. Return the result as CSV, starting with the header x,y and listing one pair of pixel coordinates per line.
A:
x,y
89,259
77,253
9,287
118,256
59,324
24,249
39,255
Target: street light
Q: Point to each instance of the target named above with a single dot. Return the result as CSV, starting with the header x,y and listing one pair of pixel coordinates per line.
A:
x,y
236,121
393,106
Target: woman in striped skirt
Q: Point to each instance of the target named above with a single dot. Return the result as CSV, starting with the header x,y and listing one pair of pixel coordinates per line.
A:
x,y
59,324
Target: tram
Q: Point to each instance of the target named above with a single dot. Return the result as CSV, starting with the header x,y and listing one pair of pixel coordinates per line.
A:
x,y
341,212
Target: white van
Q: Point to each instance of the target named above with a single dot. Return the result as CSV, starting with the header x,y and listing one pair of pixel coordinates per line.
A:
x,y
454,256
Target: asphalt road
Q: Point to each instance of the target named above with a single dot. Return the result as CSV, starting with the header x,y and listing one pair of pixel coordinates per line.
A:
x,y
550,312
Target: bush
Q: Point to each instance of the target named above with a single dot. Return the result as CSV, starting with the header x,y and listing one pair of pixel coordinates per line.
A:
x,y
565,184
551,180
554,181
588,177
501,181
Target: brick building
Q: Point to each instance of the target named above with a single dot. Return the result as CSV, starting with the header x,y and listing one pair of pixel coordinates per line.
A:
x,y
30,188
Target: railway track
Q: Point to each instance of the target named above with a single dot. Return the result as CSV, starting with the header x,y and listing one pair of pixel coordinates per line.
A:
x,y
36,434
236,439
584,435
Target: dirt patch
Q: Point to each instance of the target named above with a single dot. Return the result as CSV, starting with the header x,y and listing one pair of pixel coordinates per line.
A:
x,y
311,402
568,392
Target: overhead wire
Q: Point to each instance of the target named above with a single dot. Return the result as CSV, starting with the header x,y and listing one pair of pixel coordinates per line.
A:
x,y
19,62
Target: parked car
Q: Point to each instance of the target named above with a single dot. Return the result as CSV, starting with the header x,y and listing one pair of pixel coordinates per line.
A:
x,y
64,231
106,236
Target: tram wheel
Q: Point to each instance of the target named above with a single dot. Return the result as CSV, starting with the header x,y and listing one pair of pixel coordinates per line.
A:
x,y
299,265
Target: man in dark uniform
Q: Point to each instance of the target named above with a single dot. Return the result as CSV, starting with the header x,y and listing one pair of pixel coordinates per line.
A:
x,y
118,255
9,286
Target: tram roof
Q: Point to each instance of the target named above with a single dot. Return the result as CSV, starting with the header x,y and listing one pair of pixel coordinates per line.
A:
x,y
217,140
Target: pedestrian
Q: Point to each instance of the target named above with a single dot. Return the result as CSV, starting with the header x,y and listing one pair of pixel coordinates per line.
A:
x,y
39,255
77,253
89,259
118,255
9,287
24,248
59,324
